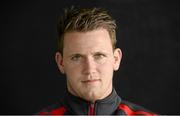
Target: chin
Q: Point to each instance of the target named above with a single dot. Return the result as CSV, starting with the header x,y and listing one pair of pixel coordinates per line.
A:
x,y
92,96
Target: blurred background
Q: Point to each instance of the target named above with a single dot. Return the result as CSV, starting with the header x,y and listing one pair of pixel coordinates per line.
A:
x,y
148,34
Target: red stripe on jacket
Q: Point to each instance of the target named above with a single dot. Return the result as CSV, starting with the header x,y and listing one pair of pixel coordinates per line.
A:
x,y
129,111
58,111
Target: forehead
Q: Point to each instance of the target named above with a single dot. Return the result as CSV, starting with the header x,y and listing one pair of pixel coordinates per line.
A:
x,y
87,41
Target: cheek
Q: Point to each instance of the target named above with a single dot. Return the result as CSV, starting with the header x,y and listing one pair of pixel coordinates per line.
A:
x,y
106,69
72,78
70,67
72,72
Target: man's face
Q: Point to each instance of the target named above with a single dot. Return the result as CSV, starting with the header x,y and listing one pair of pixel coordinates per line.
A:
x,y
88,62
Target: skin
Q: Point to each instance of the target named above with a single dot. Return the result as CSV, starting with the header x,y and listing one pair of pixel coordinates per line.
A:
x,y
88,62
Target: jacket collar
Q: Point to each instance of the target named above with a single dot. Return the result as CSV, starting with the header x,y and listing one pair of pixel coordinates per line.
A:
x,y
80,106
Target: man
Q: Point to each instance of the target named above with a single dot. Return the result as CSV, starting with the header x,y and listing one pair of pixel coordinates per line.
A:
x,y
88,57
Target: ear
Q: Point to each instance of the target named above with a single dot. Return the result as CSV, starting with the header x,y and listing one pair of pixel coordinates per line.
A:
x,y
117,58
59,61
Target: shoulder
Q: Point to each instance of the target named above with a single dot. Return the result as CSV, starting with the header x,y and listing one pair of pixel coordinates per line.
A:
x,y
55,109
129,108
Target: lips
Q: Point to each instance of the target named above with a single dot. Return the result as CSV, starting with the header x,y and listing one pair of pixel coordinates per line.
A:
x,y
91,81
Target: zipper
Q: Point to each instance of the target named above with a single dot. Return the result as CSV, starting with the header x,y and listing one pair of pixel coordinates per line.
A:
x,y
91,109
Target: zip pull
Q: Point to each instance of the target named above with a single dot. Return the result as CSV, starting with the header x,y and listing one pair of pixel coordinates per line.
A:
x,y
91,108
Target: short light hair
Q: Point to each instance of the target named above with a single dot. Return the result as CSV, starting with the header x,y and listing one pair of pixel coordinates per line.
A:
x,y
83,20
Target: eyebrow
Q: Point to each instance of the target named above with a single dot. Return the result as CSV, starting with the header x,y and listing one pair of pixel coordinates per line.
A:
x,y
98,52
71,55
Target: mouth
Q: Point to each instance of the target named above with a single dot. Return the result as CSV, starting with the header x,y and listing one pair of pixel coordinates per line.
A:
x,y
91,81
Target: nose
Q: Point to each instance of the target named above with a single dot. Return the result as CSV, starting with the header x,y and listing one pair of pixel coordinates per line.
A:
x,y
89,66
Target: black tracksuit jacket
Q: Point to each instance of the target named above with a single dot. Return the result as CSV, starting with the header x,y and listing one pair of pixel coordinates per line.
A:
x,y
111,105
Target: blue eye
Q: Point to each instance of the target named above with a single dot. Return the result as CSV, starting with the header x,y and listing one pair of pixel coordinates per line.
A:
x,y
99,56
76,57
